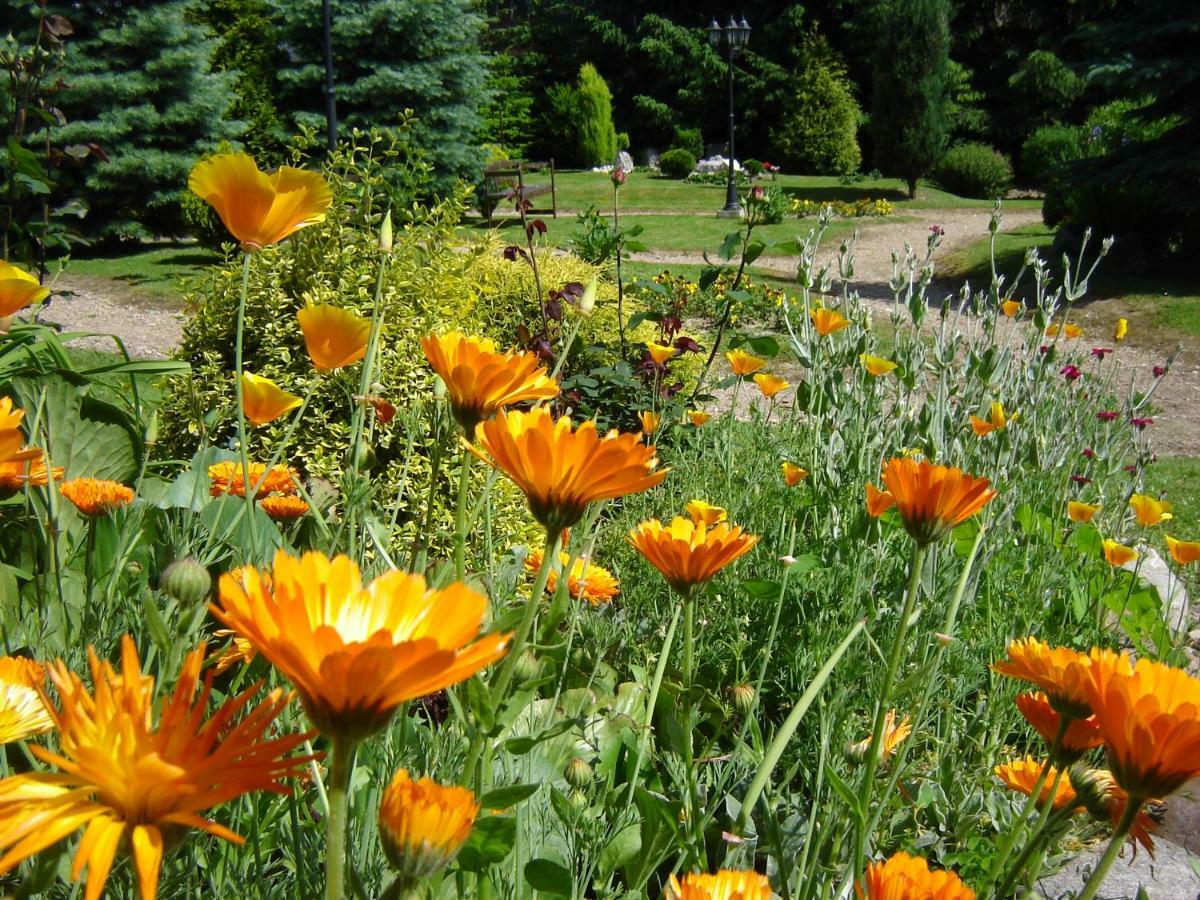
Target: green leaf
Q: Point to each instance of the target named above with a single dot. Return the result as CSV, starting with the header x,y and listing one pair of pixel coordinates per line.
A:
x,y
845,792
764,345
549,877
761,588
506,797
625,844
753,252
491,840
479,700
729,245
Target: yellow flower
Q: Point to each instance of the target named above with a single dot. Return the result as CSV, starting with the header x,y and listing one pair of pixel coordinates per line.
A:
x,y
18,474
996,420
18,289
1121,329
355,652
264,401
136,780
904,877
96,497
333,337
933,499
11,436
1118,554
770,385
423,825
705,513
698,418
1081,512
876,366
650,421
689,553
22,711
1011,308
792,473
744,363
727,884
1069,329
1022,774
586,581
826,321
660,353
1149,510
893,735
257,208
1183,552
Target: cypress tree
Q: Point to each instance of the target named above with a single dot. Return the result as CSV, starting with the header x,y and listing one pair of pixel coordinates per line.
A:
x,y
596,136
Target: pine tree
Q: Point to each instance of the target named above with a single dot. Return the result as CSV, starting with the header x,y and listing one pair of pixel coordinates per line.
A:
x,y
596,136
910,86
390,56
140,87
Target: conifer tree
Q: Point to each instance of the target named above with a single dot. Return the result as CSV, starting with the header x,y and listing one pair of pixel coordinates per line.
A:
x,y
596,136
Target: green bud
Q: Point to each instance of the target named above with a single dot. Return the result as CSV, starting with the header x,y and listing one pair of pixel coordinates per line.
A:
x,y
187,581
578,773
385,233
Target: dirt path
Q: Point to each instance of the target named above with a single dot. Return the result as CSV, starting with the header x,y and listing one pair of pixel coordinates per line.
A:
x,y
149,326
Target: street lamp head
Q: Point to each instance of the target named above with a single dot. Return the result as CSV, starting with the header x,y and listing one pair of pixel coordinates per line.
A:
x,y
714,33
739,32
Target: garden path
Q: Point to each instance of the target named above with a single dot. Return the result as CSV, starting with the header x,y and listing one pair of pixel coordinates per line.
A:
x,y
149,326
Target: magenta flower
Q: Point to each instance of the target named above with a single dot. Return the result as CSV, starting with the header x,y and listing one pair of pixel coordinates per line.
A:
x,y
1070,372
1129,468
1160,371
1141,422
618,176
1107,416
1101,352
1089,452
937,230
1043,349
1081,479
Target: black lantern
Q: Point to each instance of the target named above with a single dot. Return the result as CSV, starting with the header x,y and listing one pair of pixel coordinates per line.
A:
x,y
734,36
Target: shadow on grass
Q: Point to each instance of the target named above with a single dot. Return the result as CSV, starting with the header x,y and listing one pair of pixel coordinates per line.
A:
x,y
845,193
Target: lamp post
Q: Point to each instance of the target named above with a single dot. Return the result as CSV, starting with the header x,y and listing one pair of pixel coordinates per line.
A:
x,y
330,96
735,36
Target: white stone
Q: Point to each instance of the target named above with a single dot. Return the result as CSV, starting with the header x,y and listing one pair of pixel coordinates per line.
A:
x,y
716,163
1168,876
623,161
1154,570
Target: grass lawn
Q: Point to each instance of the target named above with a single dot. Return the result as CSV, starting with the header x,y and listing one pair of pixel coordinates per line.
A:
x,y
154,269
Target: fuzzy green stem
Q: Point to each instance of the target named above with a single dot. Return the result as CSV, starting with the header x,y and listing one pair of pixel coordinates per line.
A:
x,y
693,786
1036,842
1132,808
651,702
243,448
460,516
341,766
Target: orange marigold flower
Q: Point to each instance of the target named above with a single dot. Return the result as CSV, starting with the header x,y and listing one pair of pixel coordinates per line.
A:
x,y
264,401
1149,715
1081,512
333,337
792,473
904,877
18,289
283,507
96,496
226,478
481,381
727,884
1149,510
561,468
1062,673
12,438
996,420
933,499
355,652
18,474
1118,554
698,418
137,780
423,825
1022,774
827,321
649,420
705,513
876,366
660,353
586,581
259,209
689,553
770,385
1183,552
878,502
893,735
22,712
1011,308
1081,735
744,363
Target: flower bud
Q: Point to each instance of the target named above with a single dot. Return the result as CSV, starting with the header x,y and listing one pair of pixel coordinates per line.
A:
x,y
1092,787
528,667
587,302
423,825
743,698
186,581
385,233
578,773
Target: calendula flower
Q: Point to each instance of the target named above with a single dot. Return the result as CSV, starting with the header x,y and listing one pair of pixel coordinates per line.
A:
x,y
283,508
770,385
660,353
894,734
1149,715
560,468
355,652
239,651
264,401
1011,308
649,420
22,711
1062,673
96,496
1120,329
259,209
1081,512
18,474
12,438
996,420
1081,735
705,513
826,321
904,877
585,581
136,780
878,502
333,337
727,884
698,418
1105,800
226,478
876,366
1070,329
1022,775
18,289
933,499
481,381
1149,510
744,363
1118,554
1183,552
792,473
423,825
689,553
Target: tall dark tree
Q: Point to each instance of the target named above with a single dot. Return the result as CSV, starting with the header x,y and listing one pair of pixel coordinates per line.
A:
x,y
910,86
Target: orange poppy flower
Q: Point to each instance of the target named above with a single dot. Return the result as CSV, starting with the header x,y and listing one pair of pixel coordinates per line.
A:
x,y
96,496
136,780
12,438
1183,552
259,209
996,420
22,712
1070,330
770,385
689,553
423,825
1118,554
698,418
876,366
226,478
792,473
589,582
1149,510
1022,774
744,363
878,502
355,652
933,499
1081,735
1081,512
1105,801
334,337
18,474
727,884
561,469
649,420
1062,673
827,321
480,381
18,289
264,401
893,735
904,877
283,508
705,513
1011,308
660,353
1149,716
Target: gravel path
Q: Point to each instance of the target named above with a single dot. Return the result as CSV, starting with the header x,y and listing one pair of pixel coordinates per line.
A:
x,y
149,326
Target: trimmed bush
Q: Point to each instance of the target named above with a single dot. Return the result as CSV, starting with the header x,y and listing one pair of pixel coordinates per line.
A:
x,y
594,132
818,133
676,163
1044,88
1048,148
752,167
688,139
974,170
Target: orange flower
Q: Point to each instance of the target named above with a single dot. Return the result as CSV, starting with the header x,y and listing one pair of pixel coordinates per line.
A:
x,y
893,735
11,436
480,382
1149,510
259,209
1183,552
878,502
355,652
876,366
1149,715
239,652
1081,735
996,420
18,289
904,877
744,363
1118,554
933,499
264,401
333,337
423,825
1081,512
1070,329
562,469
1022,774
705,513
283,507
649,420
698,418
1011,308
727,884
1059,671
22,712
18,474
770,385
138,781
226,478
689,553
792,474
660,353
827,321
595,584
95,496
1106,801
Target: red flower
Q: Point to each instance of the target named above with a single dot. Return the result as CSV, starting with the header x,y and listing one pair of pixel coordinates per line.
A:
x,y
1101,352
1106,416
1160,371
1070,372
1081,479
1089,452
1142,422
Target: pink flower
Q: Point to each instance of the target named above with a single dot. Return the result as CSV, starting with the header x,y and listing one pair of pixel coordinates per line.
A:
x,y
618,176
1089,452
937,230
1141,422
1043,349
1160,371
1106,416
757,192
1070,372
1081,479
1101,352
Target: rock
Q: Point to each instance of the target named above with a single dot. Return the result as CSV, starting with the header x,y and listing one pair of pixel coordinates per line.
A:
x,y
716,163
1154,570
1181,825
623,161
1168,876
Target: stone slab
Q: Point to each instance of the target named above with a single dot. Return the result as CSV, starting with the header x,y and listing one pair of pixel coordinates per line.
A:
x,y
1169,876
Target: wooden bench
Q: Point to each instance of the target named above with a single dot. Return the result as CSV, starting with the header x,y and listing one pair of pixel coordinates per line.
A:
x,y
507,178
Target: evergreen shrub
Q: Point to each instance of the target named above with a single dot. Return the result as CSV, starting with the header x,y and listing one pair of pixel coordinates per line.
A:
x,y
974,170
676,163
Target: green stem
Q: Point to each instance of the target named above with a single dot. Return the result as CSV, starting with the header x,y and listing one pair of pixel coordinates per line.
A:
x,y
1040,831
341,766
1132,808
243,449
651,702
460,516
89,564
689,624
689,757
